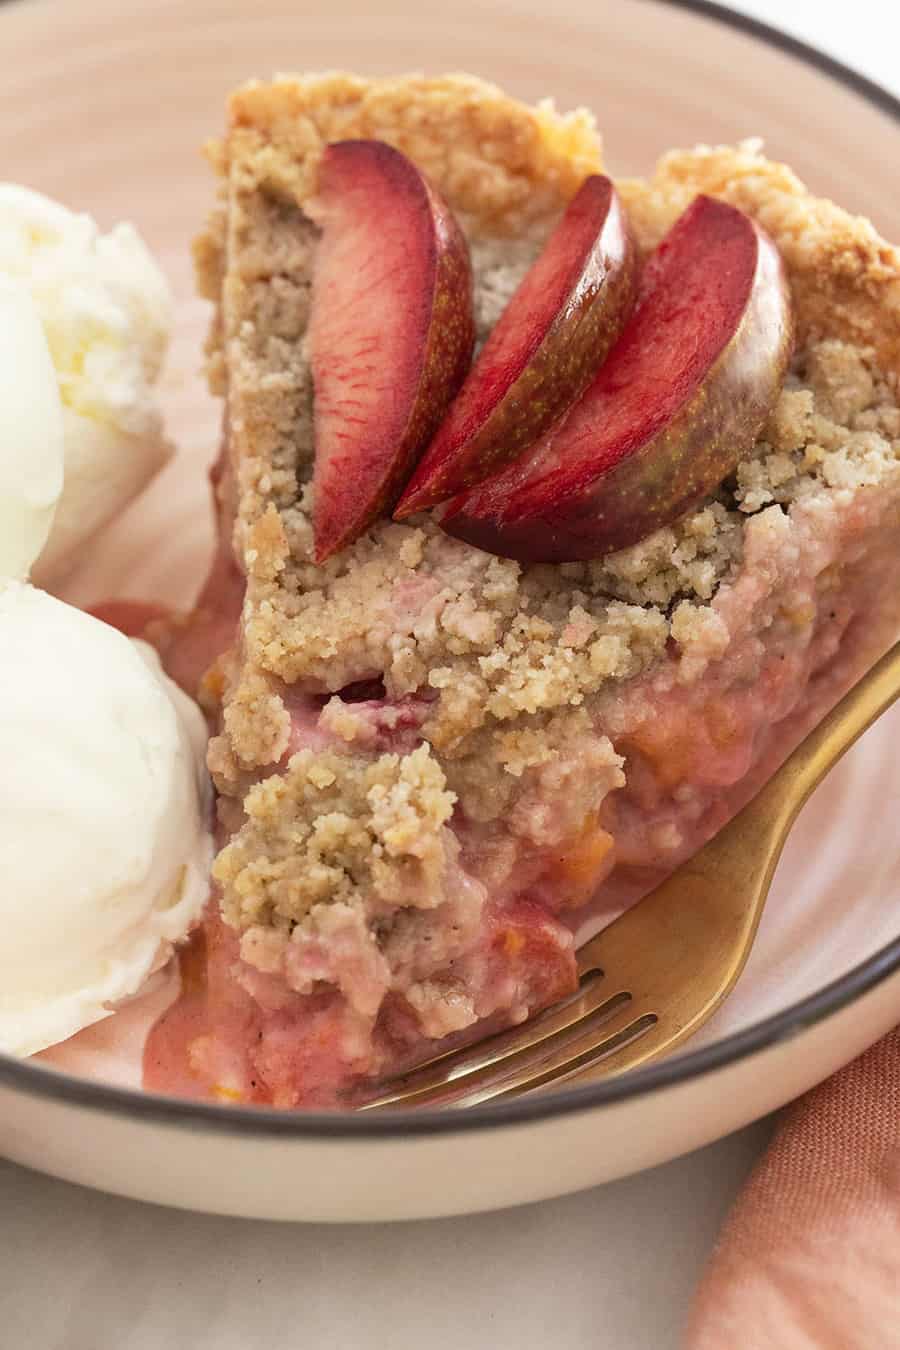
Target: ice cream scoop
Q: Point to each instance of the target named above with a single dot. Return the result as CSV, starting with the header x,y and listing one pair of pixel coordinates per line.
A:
x,y
104,818
106,311
31,433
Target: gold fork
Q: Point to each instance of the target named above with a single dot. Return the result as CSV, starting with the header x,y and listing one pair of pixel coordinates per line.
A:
x,y
656,974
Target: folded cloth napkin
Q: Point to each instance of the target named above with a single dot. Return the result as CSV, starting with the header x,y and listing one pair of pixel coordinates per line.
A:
x,y
810,1255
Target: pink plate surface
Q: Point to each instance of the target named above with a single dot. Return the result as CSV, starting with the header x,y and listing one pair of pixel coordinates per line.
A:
x,y
106,106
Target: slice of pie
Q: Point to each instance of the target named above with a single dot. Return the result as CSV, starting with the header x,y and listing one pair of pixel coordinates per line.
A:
x,y
434,762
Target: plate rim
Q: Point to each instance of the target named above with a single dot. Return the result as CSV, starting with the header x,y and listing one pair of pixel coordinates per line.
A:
x,y
37,1080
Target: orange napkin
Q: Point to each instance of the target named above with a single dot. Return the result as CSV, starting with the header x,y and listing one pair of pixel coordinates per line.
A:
x,y
810,1255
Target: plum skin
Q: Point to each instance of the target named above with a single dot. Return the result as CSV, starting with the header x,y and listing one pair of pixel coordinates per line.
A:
x,y
535,365
673,470
365,447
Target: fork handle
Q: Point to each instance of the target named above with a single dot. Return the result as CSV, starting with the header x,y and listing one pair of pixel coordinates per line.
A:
x,y
704,917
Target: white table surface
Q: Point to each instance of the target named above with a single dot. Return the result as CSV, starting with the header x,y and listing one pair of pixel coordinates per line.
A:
x,y
611,1268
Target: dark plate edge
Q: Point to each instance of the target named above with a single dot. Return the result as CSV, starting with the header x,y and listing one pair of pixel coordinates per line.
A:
x,y
38,1081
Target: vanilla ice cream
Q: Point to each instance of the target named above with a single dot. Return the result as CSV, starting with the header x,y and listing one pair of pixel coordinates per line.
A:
x,y
104,818
107,315
31,432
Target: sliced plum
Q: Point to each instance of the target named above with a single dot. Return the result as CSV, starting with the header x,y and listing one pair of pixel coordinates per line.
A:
x,y
549,341
391,331
679,401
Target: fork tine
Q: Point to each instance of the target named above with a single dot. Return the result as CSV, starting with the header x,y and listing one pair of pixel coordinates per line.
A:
x,y
554,1041
573,1062
543,1024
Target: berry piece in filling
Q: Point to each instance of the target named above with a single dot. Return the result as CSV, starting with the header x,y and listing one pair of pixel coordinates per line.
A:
x,y
679,401
556,330
391,331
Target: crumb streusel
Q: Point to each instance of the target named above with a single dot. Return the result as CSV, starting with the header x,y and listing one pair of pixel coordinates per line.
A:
x,y
507,650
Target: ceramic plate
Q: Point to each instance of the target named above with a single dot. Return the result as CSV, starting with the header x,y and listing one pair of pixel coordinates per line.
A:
x,y
106,107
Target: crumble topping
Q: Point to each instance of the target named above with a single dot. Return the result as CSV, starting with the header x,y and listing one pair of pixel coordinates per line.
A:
x,y
836,426
335,825
514,660
499,642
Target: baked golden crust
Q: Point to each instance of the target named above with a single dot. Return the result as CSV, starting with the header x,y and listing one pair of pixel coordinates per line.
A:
x,y
494,159
845,278
505,165
513,660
